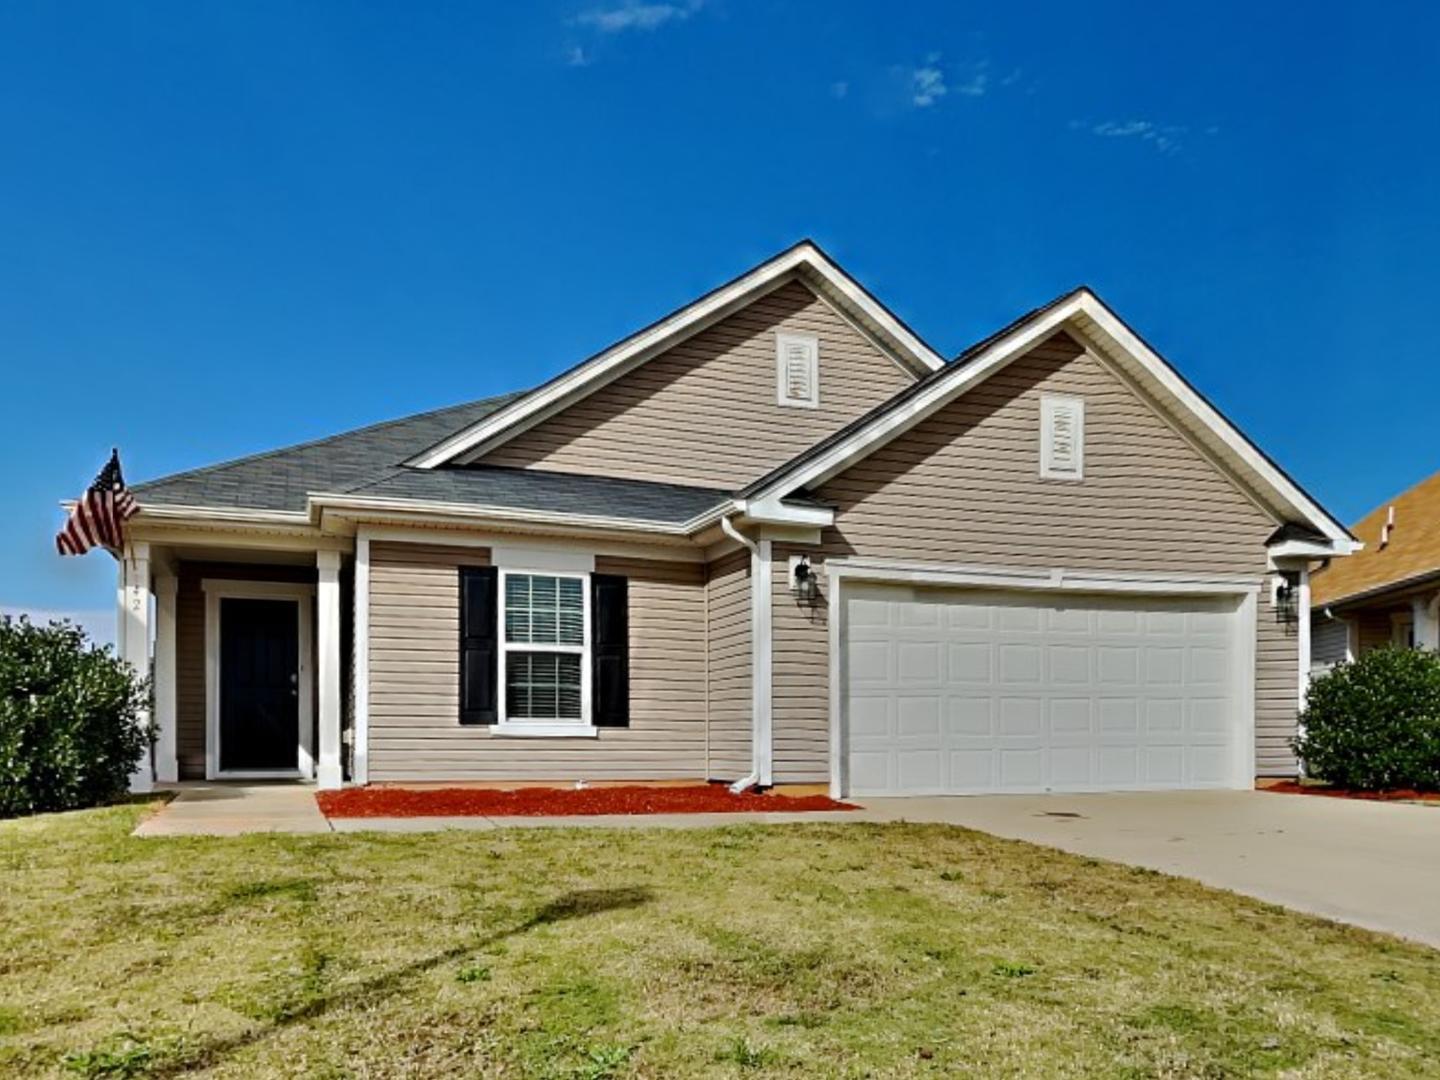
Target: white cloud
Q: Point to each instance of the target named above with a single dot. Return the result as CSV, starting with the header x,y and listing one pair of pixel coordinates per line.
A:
x,y
1163,137
575,56
975,84
927,83
637,15
100,625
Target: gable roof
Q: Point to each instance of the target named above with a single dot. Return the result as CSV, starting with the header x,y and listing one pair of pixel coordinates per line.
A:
x,y
1411,555
1084,315
804,261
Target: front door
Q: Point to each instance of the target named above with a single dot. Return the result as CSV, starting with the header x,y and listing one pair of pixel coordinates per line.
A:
x,y
259,685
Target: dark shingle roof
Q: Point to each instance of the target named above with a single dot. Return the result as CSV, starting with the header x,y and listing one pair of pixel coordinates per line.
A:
x,y
280,479
366,462
533,489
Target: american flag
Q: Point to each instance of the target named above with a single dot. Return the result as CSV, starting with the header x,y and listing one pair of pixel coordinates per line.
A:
x,y
98,515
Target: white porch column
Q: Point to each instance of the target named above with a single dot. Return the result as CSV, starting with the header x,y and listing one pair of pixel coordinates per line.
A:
x,y
1427,625
132,636
327,599
167,769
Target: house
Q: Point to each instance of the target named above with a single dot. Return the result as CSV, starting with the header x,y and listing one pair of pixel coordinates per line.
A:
x,y
1389,592
773,538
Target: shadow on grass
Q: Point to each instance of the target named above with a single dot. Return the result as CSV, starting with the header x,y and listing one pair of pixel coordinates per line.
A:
x,y
572,905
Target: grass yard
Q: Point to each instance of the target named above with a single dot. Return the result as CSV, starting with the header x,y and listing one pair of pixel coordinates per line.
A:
x,y
844,950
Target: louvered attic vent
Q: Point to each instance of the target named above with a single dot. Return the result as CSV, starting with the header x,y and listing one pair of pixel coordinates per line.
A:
x,y
1062,438
797,370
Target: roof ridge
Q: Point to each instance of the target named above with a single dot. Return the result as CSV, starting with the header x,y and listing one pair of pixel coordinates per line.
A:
x,y
310,443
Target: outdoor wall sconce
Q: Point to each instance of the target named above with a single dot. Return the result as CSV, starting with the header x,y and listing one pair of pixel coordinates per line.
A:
x,y
803,582
1287,597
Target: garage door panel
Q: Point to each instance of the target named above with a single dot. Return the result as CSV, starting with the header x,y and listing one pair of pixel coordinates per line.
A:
x,y
962,691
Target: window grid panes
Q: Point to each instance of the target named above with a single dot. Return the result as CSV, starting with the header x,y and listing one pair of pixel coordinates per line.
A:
x,y
542,686
544,610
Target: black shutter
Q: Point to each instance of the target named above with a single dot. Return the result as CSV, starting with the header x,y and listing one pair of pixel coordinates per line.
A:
x,y
479,647
610,647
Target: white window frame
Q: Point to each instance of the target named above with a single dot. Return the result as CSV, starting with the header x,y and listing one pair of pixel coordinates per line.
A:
x,y
1049,403
303,596
583,727
782,396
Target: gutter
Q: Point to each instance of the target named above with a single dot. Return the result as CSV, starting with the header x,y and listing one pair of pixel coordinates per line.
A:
x,y
761,718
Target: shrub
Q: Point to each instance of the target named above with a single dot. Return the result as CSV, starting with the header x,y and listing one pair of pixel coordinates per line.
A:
x,y
69,732
1374,724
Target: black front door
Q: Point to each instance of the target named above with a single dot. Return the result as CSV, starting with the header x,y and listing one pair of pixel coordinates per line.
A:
x,y
259,685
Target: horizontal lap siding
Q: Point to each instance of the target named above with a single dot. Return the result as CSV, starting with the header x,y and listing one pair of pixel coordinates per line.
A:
x,y
800,680
728,622
415,733
705,411
963,486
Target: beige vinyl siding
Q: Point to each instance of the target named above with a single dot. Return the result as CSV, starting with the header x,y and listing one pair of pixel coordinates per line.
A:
x,y
415,733
963,486
800,680
1277,690
705,412
190,650
728,675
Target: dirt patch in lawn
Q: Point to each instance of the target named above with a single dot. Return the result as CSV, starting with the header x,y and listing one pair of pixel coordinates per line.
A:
x,y
1292,787
561,802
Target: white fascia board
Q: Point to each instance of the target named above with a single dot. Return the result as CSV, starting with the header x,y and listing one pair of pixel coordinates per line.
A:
x,y
220,514
1308,549
579,381
358,507
1012,345
776,512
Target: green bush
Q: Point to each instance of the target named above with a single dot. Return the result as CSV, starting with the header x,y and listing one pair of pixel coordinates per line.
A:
x,y
1374,724
69,731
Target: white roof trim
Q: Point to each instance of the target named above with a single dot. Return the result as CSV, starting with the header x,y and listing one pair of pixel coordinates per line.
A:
x,y
1072,314
636,349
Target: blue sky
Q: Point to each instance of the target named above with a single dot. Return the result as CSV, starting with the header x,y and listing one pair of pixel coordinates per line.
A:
x,y
227,227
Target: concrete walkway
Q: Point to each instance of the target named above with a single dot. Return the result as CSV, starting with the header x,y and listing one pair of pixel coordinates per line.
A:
x,y
1371,864
231,809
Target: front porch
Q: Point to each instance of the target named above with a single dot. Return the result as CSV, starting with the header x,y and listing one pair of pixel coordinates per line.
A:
x,y
1406,618
247,650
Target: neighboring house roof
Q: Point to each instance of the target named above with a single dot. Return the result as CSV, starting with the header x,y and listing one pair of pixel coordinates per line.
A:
x,y
1084,315
804,261
1411,554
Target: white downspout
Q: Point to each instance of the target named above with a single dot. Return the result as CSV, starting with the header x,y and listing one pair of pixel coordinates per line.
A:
x,y
760,658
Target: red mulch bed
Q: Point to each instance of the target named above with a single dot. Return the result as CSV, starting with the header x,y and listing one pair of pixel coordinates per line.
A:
x,y
371,802
1290,787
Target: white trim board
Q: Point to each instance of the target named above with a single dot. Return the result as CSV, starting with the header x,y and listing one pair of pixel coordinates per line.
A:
x,y
804,260
217,589
1084,315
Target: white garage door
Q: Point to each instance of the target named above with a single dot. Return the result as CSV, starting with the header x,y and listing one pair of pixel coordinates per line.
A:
x,y
951,691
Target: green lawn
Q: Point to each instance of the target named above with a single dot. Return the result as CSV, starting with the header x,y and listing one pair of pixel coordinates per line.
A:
x,y
846,950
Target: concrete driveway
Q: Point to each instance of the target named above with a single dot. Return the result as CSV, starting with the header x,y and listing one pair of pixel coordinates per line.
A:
x,y
1372,864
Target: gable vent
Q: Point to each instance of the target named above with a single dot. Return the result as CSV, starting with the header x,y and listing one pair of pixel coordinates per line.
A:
x,y
797,370
1062,438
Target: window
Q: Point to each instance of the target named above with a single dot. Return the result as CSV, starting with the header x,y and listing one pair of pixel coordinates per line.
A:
x,y
546,677
1062,438
797,370
544,652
